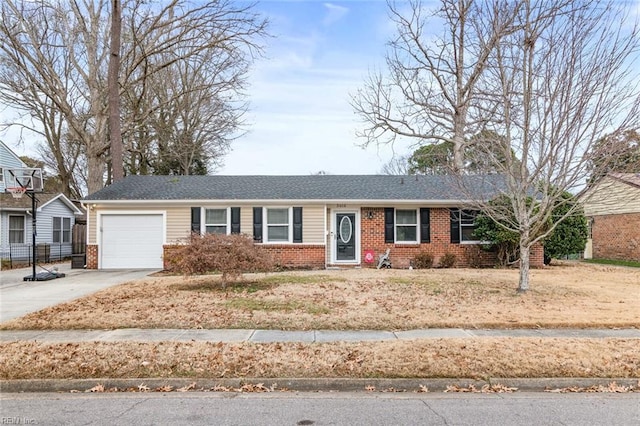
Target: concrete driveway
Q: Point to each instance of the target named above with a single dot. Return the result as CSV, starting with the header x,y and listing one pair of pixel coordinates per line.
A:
x,y
18,297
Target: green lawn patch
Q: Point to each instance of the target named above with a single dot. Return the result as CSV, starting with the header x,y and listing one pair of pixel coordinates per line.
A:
x,y
629,263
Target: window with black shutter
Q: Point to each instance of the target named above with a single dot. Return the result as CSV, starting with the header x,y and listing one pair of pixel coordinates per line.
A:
x,y
257,224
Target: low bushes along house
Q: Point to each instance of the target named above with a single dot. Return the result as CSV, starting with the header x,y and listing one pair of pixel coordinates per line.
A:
x,y
314,221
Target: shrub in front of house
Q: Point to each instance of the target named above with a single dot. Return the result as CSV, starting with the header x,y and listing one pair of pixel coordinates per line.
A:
x,y
422,260
230,255
447,261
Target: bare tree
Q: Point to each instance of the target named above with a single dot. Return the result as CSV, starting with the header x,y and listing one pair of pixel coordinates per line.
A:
x,y
430,93
115,132
60,51
396,166
189,125
567,77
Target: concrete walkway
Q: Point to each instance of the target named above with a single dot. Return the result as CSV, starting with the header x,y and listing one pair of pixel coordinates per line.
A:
x,y
19,297
318,336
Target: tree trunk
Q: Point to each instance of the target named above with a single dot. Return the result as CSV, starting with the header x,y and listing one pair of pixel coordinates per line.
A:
x,y
523,283
115,132
95,172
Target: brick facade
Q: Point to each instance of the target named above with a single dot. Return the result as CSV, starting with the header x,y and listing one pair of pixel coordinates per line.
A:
x,y
467,255
92,256
616,236
299,256
372,238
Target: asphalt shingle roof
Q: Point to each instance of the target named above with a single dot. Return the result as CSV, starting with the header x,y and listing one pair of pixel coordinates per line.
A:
x,y
311,187
8,202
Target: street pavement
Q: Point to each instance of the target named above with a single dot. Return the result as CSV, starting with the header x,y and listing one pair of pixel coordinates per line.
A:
x,y
323,408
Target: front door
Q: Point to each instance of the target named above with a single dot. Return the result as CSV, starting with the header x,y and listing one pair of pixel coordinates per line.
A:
x,y
345,234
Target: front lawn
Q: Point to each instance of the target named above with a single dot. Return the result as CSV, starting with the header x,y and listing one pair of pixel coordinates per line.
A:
x,y
565,295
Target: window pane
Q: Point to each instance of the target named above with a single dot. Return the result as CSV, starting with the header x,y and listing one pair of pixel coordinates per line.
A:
x,y
216,230
66,224
216,216
468,217
56,223
277,216
56,236
16,222
406,217
406,233
467,233
278,233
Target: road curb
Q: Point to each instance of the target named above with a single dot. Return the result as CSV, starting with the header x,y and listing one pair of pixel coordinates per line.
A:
x,y
308,385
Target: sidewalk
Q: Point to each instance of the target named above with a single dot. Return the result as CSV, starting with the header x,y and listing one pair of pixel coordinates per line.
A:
x,y
312,336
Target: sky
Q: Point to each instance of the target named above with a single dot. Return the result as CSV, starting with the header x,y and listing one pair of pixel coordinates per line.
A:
x,y
300,120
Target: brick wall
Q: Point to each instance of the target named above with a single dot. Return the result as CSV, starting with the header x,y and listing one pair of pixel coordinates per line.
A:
x,y
285,255
616,236
92,256
297,255
467,255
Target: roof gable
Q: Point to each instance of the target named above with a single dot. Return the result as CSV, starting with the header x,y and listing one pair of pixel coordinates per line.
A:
x,y
305,188
44,199
632,179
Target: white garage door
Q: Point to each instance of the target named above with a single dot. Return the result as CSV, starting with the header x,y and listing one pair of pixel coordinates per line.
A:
x,y
131,241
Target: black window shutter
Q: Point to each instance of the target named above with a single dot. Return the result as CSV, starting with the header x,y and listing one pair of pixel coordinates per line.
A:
x,y
235,220
195,219
297,224
455,226
389,221
257,224
425,226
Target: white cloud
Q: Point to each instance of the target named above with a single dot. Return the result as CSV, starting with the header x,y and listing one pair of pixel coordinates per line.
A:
x,y
334,13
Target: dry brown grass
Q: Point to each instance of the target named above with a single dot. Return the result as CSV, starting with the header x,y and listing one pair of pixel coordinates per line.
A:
x,y
569,295
437,358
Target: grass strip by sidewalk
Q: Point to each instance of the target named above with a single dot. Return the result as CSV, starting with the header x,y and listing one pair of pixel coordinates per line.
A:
x,y
437,358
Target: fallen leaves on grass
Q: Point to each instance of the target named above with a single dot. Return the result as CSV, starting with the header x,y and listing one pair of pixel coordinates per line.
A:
x,y
497,388
612,387
572,295
428,358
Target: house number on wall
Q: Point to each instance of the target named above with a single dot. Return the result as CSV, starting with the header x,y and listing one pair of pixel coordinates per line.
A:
x,y
341,205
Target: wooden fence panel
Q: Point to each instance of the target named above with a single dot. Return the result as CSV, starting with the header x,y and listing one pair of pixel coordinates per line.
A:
x,y
79,238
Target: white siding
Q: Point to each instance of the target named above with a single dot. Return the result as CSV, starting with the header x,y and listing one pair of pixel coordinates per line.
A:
x,y
610,196
8,160
44,219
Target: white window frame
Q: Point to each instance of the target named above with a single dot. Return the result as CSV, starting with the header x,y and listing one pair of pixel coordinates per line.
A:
x,y
265,221
205,224
396,224
62,231
462,225
24,225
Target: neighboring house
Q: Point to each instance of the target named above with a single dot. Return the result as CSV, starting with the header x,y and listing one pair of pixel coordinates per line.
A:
x,y
55,217
8,160
314,221
613,208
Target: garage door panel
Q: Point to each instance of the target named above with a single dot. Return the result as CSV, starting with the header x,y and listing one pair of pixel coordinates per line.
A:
x,y
131,241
